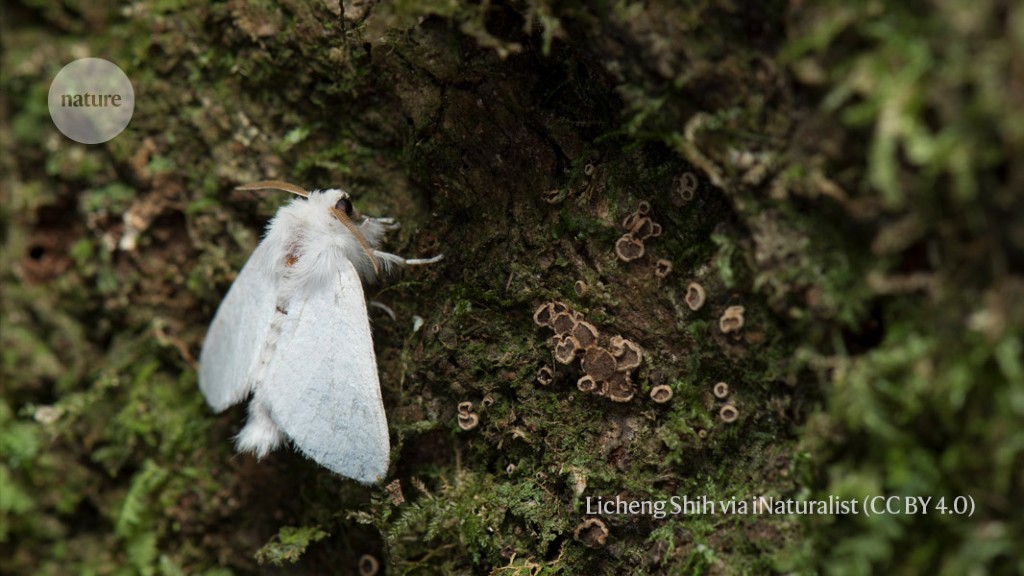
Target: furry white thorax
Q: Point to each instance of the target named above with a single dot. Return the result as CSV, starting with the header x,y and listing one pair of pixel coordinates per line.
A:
x,y
307,230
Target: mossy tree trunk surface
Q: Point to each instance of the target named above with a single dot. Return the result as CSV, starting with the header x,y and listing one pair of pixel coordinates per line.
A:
x,y
849,173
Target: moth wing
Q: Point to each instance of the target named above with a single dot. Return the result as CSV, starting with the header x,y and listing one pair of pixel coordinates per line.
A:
x,y
321,383
238,331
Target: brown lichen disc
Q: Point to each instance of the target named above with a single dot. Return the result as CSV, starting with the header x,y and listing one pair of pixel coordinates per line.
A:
x,y
565,349
368,565
629,221
598,363
615,345
592,533
468,421
662,268
586,334
687,186
544,376
586,384
620,387
563,322
695,296
628,248
629,354
661,393
728,413
721,390
542,316
731,320
642,229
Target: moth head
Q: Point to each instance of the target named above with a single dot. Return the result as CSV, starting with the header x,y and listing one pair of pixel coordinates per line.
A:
x,y
343,211
344,204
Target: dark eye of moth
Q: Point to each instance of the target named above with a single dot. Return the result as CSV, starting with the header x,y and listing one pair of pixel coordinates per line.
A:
x,y
345,206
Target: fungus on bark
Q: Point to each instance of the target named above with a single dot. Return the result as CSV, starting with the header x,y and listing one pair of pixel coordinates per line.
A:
x,y
721,390
563,322
686,190
587,384
586,334
661,393
628,354
628,248
545,376
695,296
592,533
368,565
598,363
662,268
620,387
643,228
543,315
468,421
728,413
565,349
731,320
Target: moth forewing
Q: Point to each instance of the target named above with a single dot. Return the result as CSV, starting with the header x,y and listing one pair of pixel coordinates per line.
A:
x,y
238,331
322,384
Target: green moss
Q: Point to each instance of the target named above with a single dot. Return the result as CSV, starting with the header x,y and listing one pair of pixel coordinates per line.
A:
x,y
289,544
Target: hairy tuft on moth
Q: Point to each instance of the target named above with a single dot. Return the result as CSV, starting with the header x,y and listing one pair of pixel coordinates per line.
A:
x,y
292,335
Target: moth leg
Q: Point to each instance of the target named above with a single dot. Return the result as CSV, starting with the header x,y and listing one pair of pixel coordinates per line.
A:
x,y
261,434
395,260
374,229
387,309
387,222
379,225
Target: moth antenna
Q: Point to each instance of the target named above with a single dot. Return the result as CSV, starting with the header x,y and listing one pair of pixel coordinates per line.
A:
x,y
275,185
367,249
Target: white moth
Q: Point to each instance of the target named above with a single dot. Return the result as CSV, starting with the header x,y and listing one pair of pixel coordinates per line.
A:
x,y
293,334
